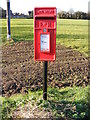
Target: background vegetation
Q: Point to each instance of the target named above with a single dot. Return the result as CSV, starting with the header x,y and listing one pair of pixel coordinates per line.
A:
x,y
61,14
73,15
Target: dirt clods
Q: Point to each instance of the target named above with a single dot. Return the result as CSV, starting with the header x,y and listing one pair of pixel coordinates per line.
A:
x,y
20,72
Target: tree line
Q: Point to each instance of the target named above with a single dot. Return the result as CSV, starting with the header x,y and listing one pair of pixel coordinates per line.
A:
x,y
2,13
73,15
61,14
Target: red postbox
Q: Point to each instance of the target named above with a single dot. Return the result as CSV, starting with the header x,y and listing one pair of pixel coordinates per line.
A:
x,y
45,33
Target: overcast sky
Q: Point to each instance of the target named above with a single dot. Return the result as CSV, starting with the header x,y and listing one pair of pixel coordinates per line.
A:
x,y
23,6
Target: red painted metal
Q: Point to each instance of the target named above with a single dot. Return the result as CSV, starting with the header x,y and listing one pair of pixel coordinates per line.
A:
x,y
45,24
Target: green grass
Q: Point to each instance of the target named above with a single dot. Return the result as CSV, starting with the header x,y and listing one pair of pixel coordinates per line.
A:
x,y
21,29
58,100
71,33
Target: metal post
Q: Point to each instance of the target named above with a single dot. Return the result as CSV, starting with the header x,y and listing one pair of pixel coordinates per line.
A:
x,y
45,81
8,20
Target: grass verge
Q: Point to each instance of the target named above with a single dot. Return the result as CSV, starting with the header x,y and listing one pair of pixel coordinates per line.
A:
x,y
67,102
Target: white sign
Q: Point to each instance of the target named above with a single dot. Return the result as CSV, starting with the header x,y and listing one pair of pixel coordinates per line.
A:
x,y
45,44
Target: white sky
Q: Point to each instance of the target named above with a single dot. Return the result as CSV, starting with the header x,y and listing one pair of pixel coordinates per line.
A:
x,y
23,6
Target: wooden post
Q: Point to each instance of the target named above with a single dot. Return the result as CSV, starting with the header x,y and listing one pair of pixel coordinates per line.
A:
x,y
8,20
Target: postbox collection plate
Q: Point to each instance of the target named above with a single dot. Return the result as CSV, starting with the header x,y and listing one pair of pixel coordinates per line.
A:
x,y
45,42
45,34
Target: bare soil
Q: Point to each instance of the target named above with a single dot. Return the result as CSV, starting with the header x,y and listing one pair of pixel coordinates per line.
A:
x,y
20,72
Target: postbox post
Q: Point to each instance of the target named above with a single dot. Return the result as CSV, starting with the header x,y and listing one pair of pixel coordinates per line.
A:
x,y
45,81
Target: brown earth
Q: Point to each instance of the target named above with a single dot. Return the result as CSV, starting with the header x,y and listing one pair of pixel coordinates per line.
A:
x,y
20,72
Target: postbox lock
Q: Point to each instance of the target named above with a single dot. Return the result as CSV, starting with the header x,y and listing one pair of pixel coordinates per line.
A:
x,y
44,30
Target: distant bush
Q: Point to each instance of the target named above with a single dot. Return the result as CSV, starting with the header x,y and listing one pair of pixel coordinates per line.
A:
x,y
73,15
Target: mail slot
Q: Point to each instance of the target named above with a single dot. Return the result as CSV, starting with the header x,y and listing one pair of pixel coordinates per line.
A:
x,y
45,34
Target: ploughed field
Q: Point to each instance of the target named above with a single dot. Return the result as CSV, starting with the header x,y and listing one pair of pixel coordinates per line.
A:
x,y
20,72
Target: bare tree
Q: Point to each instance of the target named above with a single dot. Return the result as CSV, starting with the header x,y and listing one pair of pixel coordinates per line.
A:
x,y
71,11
